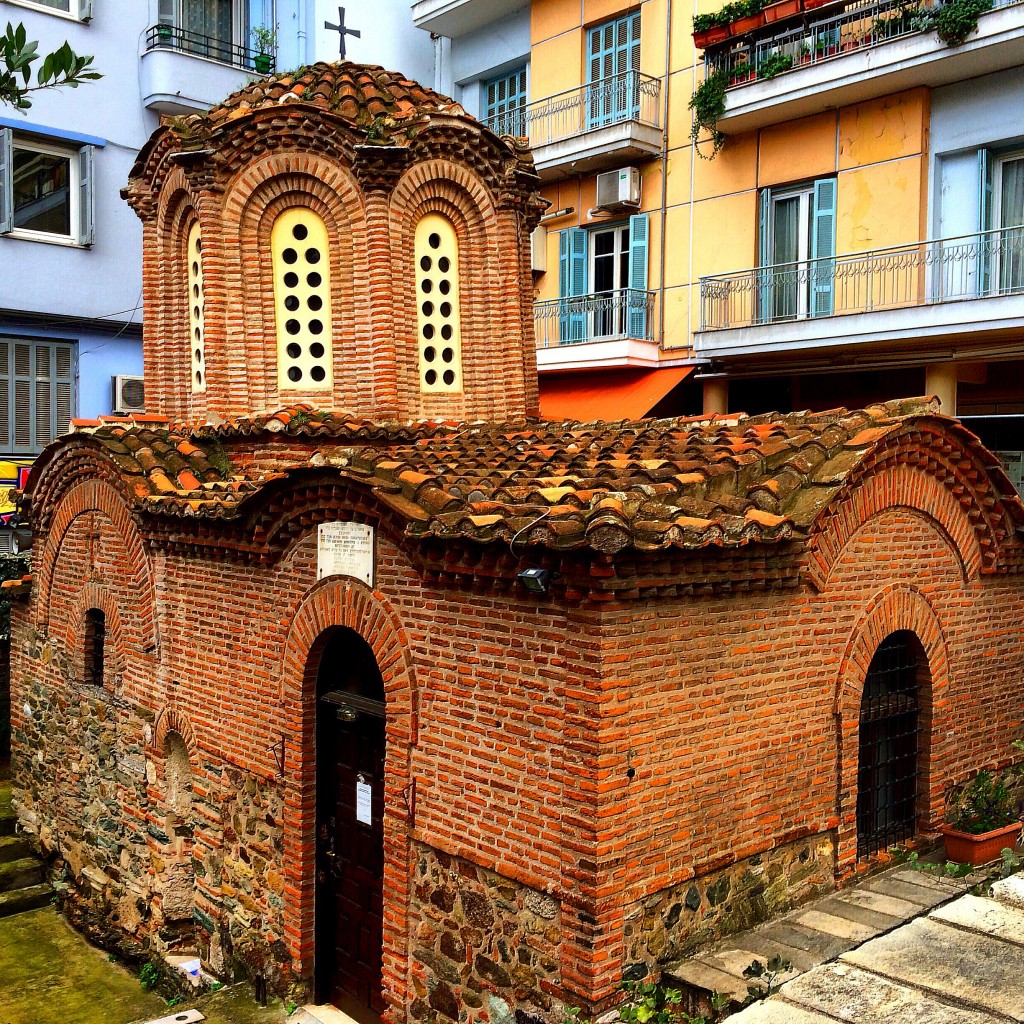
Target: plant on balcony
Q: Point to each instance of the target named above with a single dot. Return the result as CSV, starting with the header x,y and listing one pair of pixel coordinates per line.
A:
x,y
955,20
774,64
265,43
709,29
782,9
708,105
747,16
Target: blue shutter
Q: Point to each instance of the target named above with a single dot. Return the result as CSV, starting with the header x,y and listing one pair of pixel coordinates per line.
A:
x,y
823,246
613,65
572,281
764,259
986,246
86,194
636,323
6,180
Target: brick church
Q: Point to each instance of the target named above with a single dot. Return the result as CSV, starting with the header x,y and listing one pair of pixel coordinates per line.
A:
x,y
346,672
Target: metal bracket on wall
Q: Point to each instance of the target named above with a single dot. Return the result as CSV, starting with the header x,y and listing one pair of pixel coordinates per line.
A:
x,y
409,793
277,749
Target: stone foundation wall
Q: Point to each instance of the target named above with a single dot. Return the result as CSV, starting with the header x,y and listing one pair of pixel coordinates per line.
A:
x,y
484,948
677,921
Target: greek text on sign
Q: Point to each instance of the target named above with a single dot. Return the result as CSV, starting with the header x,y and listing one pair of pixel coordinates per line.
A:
x,y
364,802
345,549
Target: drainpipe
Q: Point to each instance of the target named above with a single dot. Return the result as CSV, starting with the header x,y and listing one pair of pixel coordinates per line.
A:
x,y
664,174
302,33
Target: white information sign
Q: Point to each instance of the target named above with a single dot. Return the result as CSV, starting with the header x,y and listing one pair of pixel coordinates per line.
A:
x,y
345,549
364,803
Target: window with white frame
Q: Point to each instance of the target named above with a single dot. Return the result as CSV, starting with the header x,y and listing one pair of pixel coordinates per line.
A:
x,y
37,393
504,103
1003,218
81,9
46,189
218,29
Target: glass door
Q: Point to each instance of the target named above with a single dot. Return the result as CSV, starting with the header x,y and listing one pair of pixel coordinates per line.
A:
x,y
789,248
1009,218
609,278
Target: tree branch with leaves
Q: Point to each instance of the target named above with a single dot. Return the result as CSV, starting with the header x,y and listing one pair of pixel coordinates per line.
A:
x,y
18,55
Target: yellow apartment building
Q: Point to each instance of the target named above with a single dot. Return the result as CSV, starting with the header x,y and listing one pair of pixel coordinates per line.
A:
x,y
858,236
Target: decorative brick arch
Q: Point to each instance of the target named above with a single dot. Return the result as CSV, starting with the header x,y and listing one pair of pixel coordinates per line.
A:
x,y
899,607
173,720
92,595
343,601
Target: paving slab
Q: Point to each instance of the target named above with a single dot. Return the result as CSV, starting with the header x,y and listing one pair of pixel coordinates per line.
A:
x,y
912,892
849,994
987,916
1010,890
882,904
850,931
775,1011
930,955
956,885
699,975
861,914
757,946
819,943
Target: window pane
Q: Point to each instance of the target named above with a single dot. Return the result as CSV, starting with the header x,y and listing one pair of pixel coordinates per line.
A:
x,y
1011,244
42,200
57,5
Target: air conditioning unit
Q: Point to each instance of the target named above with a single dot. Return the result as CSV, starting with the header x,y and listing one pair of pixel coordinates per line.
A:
x,y
539,249
616,189
129,395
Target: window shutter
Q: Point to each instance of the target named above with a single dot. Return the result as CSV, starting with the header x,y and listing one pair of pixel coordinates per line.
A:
x,y
823,246
85,10
64,387
86,193
764,259
639,229
23,398
5,395
6,180
572,281
986,173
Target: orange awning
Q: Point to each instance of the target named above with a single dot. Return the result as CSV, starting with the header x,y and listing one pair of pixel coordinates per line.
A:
x,y
607,394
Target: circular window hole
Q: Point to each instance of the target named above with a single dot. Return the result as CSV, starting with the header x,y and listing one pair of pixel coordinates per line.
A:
x,y
445,287
434,240
292,327
448,355
289,255
316,350
199,245
312,255
195,290
428,331
294,373
199,355
430,376
444,264
314,280
199,334
291,303
195,310
428,308
300,231
318,373
426,286
426,263
195,269
315,302
316,327
449,377
199,377
294,350
291,279
429,353
446,309
446,332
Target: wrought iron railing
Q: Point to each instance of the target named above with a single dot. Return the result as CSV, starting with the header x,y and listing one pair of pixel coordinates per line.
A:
x,y
767,54
626,97
600,316
170,37
982,265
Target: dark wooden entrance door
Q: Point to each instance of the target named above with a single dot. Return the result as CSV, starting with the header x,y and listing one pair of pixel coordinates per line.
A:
x,y
350,828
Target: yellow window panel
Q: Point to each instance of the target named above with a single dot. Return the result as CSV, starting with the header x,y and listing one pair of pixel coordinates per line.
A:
x,y
437,300
196,309
302,301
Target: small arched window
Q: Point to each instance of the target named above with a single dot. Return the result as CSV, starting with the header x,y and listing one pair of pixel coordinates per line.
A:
x,y
302,301
437,299
196,309
178,769
95,644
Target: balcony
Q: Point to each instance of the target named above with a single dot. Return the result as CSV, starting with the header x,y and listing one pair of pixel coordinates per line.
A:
x,y
604,329
604,124
865,51
183,73
454,18
970,288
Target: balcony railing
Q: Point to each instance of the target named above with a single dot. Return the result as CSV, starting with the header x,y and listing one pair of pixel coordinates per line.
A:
x,y
627,97
815,39
601,316
984,265
170,37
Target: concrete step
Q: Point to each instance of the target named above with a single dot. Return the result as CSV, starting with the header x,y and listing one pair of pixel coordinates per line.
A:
x,y
8,820
30,898
1010,891
13,848
20,874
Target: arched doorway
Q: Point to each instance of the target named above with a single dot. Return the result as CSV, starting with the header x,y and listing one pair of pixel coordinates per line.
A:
x,y
350,745
890,748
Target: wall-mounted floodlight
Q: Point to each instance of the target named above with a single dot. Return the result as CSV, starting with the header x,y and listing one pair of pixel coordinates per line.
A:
x,y
536,581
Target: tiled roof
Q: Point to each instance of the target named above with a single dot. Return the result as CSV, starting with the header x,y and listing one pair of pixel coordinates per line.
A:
x,y
359,93
647,484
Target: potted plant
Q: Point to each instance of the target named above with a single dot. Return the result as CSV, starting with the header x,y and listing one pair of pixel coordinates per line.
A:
x,y
813,5
782,9
749,15
164,33
804,55
774,64
984,818
709,29
265,42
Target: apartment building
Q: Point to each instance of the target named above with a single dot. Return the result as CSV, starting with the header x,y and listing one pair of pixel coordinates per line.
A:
x,y
856,238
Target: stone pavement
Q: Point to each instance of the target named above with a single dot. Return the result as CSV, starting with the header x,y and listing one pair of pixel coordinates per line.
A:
x,y
963,963
817,932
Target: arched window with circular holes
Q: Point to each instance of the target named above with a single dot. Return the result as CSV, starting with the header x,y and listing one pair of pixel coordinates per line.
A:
x,y
196,309
437,300
302,301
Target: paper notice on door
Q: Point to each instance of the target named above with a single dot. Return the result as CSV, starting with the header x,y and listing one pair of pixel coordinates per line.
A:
x,y
364,803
